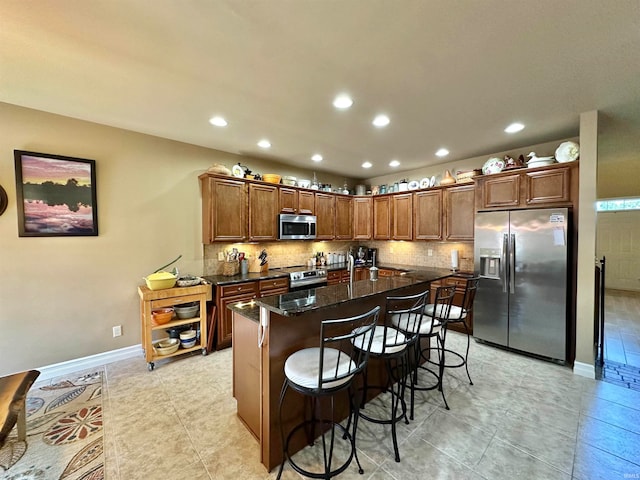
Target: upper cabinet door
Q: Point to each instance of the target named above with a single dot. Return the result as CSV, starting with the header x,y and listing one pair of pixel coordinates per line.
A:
x,y
460,212
549,186
325,211
428,214
500,191
344,218
288,200
224,210
362,225
403,216
382,217
263,212
306,202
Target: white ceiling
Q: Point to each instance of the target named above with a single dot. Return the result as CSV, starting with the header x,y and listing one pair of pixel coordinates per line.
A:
x,y
448,73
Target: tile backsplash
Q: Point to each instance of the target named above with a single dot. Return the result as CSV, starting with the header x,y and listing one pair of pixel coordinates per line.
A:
x,y
293,253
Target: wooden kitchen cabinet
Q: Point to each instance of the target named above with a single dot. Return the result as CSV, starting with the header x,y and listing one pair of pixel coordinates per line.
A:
x,y
273,286
382,217
325,213
459,213
169,297
402,216
263,212
550,186
362,224
427,215
224,209
226,295
344,218
296,202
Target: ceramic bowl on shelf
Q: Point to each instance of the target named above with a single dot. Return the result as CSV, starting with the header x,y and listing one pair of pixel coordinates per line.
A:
x,y
167,346
304,183
162,315
188,338
187,310
188,281
271,178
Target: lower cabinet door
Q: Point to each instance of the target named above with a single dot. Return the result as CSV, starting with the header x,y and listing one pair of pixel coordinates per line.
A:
x,y
225,323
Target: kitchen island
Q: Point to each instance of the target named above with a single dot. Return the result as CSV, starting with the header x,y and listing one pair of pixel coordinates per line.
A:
x,y
267,330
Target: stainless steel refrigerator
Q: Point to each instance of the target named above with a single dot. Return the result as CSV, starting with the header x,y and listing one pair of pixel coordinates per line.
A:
x,y
521,302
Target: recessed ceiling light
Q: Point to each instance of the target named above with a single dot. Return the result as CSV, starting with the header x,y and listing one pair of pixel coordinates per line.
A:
x,y
264,143
381,121
514,127
342,101
218,121
367,165
317,157
443,152
394,163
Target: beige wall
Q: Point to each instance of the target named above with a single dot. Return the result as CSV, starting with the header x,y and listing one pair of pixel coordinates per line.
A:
x,y
60,297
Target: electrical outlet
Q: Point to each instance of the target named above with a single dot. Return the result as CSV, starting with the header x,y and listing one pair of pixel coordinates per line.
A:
x,y
117,331
221,256
430,252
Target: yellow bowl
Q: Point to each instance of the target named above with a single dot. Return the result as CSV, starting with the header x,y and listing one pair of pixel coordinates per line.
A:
x,y
271,178
160,280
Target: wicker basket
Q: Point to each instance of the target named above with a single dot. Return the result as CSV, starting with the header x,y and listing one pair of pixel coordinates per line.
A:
x,y
230,268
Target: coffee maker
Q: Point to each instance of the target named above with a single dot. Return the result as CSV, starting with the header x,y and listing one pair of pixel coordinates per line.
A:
x,y
372,256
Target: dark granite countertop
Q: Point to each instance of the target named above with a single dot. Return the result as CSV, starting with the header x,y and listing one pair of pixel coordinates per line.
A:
x,y
250,310
249,277
295,303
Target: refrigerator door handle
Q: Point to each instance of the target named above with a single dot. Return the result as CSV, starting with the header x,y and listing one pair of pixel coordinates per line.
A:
x,y
503,263
512,264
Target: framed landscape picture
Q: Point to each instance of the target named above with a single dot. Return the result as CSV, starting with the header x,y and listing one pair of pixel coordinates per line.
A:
x,y
56,195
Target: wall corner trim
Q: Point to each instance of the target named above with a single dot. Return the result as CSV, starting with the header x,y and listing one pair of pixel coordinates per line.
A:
x,y
584,370
64,368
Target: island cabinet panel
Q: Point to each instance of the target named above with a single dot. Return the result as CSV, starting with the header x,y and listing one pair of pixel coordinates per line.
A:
x,y
362,224
427,214
344,218
548,186
263,212
402,216
306,203
459,213
246,372
325,213
226,295
224,209
382,217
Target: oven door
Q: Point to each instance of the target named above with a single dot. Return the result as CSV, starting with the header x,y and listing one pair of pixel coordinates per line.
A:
x,y
306,286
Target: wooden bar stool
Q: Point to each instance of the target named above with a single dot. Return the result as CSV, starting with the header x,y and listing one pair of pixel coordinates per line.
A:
x,y
322,372
13,395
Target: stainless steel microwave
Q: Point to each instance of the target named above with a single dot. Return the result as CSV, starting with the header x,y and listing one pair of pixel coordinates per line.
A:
x,y
296,227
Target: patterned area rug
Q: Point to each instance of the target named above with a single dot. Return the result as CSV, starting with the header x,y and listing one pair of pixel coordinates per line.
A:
x,y
64,433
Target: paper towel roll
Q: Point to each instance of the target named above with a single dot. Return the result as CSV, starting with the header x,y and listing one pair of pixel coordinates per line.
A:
x,y
454,259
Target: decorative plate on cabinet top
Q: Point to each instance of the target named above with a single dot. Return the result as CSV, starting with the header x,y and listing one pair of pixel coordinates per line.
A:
x,y
413,185
567,152
493,165
424,183
237,171
432,181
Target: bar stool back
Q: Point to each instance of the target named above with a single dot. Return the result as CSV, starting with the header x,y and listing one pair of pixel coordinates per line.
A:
x,y
460,315
391,345
323,372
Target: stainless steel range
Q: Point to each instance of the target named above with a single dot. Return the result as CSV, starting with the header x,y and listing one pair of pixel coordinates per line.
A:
x,y
301,278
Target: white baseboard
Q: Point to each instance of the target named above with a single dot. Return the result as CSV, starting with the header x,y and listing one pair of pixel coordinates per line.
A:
x,y
584,370
64,368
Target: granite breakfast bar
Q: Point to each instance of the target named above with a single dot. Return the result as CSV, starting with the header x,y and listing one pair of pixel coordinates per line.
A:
x,y
267,330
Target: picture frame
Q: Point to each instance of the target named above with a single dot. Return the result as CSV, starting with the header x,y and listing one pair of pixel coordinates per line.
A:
x,y
55,195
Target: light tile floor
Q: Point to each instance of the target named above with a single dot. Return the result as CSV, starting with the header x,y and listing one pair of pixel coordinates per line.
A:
x,y
622,327
523,418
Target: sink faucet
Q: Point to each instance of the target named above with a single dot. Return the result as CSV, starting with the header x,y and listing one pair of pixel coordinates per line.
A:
x,y
350,266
